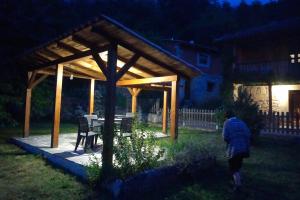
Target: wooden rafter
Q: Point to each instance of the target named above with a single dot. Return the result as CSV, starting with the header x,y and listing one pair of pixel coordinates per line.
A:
x,y
82,41
40,58
85,71
68,48
66,74
71,57
102,33
51,53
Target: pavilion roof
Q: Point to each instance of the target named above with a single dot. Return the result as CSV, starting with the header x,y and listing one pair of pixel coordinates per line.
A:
x,y
75,48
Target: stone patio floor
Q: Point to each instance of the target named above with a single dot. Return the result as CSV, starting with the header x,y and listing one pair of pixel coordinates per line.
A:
x,y
64,156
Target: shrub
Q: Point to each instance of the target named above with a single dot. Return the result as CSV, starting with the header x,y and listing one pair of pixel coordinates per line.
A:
x,y
246,109
137,153
94,170
187,151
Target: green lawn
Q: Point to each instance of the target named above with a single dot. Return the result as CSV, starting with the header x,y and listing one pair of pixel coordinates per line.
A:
x,y
272,171
25,176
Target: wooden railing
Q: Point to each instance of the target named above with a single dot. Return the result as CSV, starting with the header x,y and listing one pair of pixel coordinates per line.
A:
x,y
266,69
281,123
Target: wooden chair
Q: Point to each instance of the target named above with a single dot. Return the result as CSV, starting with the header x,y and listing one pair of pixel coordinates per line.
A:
x,y
126,126
84,133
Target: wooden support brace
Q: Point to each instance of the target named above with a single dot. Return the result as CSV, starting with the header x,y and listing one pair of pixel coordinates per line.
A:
x,y
101,64
37,81
127,66
57,106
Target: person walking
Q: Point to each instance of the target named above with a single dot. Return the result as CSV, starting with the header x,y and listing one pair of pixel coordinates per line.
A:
x,y
236,134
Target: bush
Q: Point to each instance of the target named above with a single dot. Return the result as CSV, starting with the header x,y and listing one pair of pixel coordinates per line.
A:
x,y
187,151
246,109
137,153
94,170
190,157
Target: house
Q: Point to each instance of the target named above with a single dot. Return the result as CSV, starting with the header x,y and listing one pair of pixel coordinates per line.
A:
x,y
206,87
267,64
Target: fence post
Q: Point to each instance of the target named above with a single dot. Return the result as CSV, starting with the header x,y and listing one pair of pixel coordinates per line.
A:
x,y
278,121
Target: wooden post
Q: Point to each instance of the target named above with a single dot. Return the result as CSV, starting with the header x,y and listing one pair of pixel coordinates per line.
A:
x,y
110,100
165,113
174,111
57,106
270,102
134,93
27,113
133,103
92,94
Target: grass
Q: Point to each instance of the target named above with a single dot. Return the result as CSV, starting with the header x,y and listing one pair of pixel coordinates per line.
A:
x,y
26,176
272,171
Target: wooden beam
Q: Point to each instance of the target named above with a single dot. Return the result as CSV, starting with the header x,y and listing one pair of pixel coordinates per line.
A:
x,y
174,111
135,50
27,113
37,81
165,113
101,64
86,71
150,87
92,94
110,102
162,79
68,48
51,53
70,58
82,41
66,74
126,66
57,106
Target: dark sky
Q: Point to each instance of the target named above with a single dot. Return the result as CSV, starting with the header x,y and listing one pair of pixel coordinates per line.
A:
x,y
236,2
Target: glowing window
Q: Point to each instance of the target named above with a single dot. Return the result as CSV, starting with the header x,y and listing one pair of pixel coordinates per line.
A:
x,y
295,58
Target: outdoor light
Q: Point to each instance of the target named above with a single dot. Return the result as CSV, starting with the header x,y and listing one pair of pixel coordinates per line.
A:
x,y
71,77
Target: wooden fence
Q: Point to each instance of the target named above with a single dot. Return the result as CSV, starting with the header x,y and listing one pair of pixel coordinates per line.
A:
x,y
194,118
281,123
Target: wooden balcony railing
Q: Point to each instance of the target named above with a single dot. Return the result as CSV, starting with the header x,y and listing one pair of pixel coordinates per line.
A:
x,y
278,70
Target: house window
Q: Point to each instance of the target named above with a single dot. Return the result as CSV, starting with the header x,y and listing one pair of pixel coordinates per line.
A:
x,y
210,86
295,58
203,60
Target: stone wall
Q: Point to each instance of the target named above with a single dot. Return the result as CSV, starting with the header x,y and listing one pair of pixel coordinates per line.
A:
x,y
260,94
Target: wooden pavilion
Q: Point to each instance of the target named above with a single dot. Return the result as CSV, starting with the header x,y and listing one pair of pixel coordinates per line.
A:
x,y
105,50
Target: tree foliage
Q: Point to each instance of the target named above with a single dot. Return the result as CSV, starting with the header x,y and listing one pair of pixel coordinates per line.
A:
x,y
28,23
